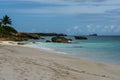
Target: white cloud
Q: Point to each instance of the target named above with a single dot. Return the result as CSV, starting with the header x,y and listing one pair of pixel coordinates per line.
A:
x,y
76,27
67,10
33,30
109,28
112,27
91,28
86,0
117,29
69,7
73,1
74,30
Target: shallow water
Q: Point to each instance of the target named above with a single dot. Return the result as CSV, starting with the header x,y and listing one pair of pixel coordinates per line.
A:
x,y
104,49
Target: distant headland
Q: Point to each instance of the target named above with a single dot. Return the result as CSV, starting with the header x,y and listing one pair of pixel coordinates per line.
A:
x,y
9,33
93,34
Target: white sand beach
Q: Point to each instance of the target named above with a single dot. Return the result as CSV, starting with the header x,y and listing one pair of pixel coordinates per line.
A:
x,y
24,63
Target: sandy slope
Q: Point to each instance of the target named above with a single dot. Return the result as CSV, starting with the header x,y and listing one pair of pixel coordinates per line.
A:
x,y
22,63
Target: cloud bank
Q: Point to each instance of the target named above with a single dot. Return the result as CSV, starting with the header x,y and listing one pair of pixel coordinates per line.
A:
x,y
77,16
86,0
91,28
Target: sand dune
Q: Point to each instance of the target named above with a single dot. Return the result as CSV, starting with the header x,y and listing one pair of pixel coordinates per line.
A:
x,y
23,63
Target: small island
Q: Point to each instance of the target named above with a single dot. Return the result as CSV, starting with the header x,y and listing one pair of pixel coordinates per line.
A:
x,y
93,34
80,38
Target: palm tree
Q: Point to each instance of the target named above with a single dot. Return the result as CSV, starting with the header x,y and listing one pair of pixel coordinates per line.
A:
x,y
6,20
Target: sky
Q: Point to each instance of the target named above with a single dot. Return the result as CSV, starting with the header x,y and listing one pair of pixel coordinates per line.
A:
x,y
73,17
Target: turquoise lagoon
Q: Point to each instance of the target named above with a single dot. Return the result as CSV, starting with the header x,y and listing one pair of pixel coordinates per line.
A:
x,y
105,49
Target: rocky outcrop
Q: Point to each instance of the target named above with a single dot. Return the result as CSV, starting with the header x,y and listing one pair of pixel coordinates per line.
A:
x,y
81,37
47,41
22,43
60,39
20,37
51,34
9,33
28,35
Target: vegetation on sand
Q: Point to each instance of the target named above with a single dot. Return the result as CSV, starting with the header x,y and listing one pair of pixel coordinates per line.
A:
x,y
5,28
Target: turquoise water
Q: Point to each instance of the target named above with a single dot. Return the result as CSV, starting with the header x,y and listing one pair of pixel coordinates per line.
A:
x,y
104,49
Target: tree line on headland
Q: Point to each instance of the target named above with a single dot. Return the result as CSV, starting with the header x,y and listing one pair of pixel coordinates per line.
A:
x,y
5,27
7,32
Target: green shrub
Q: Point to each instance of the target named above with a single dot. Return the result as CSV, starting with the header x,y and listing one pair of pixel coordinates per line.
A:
x,y
7,31
10,29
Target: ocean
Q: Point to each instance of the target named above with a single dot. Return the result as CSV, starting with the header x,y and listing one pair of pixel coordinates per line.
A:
x,y
105,49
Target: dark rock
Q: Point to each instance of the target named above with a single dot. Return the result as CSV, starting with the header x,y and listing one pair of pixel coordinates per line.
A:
x,y
60,39
33,42
70,39
47,41
22,43
81,37
12,38
51,34
26,36
42,38
20,37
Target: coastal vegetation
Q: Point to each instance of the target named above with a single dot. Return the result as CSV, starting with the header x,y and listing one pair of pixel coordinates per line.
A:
x,y
5,27
8,32
5,21
51,34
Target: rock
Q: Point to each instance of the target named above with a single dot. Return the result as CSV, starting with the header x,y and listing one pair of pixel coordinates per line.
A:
x,y
42,38
60,39
51,34
22,43
26,36
20,36
13,38
47,41
81,37
70,39
33,42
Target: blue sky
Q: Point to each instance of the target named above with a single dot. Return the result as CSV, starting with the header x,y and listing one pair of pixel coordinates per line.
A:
x,y
64,16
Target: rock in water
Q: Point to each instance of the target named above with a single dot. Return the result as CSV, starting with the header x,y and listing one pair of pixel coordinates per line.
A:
x,y
60,39
47,41
81,37
93,35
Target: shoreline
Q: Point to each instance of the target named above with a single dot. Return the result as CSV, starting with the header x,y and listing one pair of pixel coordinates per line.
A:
x,y
51,50
69,55
27,63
